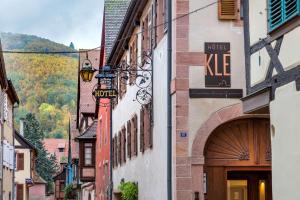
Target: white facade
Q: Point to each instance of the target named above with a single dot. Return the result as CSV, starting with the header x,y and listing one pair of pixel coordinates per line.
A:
x,y
284,107
148,169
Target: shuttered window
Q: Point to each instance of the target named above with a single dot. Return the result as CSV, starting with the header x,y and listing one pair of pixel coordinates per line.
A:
x,y
20,161
20,192
142,140
133,60
134,151
116,151
129,139
148,127
119,149
228,9
280,11
145,37
123,144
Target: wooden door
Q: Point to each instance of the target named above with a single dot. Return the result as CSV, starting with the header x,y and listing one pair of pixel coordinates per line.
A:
x,y
253,185
239,145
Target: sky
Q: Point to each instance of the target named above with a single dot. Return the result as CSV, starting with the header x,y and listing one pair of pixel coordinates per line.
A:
x,y
62,21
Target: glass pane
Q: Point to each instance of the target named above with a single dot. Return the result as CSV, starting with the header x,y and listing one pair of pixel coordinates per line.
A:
x,y
88,161
88,144
237,190
262,190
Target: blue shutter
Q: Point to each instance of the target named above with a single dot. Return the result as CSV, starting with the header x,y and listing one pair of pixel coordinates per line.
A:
x,y
280,11
275,14
291,8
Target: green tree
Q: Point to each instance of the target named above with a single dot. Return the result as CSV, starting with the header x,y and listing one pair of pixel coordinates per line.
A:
x,y
72,45
45,164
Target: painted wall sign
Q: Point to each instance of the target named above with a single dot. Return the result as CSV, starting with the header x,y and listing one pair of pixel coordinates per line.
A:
x,y
105,93
183,134
217,64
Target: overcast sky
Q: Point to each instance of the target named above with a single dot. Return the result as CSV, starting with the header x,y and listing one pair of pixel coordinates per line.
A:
x,y
63,21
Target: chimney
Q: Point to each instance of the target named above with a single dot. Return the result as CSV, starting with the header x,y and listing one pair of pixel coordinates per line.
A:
x,y
22,126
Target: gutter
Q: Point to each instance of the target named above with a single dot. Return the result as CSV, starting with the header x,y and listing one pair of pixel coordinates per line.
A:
x,y
169,102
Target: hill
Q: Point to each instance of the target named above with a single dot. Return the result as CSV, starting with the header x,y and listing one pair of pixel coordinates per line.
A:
x,y
46,84
14,41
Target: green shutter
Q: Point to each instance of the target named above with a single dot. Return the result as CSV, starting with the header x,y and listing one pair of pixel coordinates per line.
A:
x,y
280,11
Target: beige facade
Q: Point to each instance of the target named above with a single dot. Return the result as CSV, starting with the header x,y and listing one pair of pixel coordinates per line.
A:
x,y
8,155
24,169
22,175
8,100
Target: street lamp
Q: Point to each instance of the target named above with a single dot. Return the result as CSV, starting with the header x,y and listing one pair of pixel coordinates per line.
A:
x,y
87,71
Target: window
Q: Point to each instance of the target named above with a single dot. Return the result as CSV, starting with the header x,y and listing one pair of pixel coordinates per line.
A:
x,y
133,60
129,139
61,149
88,149
119,148
228,9
20,191
134,136
281,11
142,140
146,138
123,144
20,161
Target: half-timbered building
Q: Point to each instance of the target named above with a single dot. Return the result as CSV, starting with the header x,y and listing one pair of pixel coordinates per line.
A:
x,y
272,37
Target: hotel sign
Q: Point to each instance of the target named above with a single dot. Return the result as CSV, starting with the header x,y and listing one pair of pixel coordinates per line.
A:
x,y
217,64
105,93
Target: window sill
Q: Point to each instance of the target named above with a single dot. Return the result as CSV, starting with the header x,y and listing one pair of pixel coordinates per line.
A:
x,y
285,28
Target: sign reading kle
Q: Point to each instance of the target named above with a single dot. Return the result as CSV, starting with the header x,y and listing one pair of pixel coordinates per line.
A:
x,y
217,64
105,93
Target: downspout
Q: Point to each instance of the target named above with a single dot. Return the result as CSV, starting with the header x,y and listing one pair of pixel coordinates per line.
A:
x,y
169,101
14,167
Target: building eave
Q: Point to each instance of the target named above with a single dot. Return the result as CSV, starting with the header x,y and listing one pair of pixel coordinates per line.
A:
x,y
3,77
134,12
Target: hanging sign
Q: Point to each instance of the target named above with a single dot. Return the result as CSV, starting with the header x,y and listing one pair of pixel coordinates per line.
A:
x,y
105,93
217,64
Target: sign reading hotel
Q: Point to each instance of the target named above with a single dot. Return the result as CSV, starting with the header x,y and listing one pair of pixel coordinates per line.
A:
x,y
217,64
105,93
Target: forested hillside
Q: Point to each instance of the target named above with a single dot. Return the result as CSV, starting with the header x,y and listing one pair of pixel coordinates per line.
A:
x,y
46,84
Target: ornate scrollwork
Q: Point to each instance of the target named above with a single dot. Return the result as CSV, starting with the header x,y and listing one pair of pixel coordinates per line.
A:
x,y
140,75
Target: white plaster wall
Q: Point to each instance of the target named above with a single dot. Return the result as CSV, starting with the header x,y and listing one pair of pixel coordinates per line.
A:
x,y
260,62
206,27
148,169
285,131
258,23
289,53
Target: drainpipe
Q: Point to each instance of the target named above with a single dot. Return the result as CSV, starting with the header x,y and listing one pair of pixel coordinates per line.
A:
x,y
14,167
169,99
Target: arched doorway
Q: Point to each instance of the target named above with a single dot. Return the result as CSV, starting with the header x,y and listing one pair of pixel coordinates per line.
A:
x,y
238,161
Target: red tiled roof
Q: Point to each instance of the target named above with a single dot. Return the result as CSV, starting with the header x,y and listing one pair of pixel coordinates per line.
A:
x,y
52,145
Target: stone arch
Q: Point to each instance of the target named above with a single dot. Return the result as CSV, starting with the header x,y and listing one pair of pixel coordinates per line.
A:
x,y
224,115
